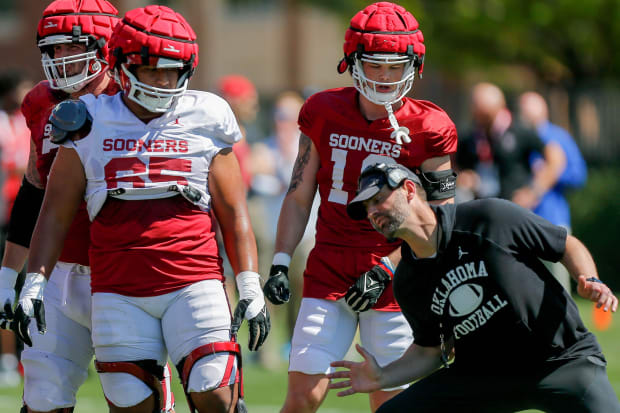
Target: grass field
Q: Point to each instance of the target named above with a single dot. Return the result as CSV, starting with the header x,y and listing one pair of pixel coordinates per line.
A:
x,y
265,389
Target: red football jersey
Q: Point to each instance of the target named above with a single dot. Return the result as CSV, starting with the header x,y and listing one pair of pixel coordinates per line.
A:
x,y
36,107
347,143
152,247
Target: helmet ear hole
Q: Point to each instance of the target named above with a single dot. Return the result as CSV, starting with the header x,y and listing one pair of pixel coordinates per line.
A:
x,y
95,67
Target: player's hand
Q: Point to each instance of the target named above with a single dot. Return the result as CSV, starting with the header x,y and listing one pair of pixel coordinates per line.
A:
x,y
365,292
363,377
598,292
30,306
7,296
251,307
276,288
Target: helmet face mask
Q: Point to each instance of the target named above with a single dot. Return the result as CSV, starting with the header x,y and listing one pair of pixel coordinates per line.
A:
x,y
56,68
75,22
157,37
369,88
383,33
152,98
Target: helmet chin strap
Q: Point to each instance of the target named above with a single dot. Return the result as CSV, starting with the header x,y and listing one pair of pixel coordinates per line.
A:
x,y
400,133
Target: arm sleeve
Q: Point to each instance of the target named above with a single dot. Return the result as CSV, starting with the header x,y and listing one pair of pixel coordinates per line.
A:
x,y
442,142
230,131
24,214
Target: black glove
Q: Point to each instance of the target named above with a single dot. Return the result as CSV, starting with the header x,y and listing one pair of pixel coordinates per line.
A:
x,y
21,321
365,292
258,325
276,288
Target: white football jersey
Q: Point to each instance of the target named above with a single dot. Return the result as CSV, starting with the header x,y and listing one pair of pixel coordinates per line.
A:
x,y
129,159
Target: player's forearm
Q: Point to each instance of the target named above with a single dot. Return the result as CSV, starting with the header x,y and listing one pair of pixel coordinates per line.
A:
x,y
48,240
240,245
395,257
14,256
415,363
291,225
577,259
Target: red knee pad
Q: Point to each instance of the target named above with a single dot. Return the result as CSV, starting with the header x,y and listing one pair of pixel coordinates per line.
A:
x,y
231,347
148,372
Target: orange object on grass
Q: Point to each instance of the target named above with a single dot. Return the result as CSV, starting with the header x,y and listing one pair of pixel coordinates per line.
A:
x,y
601,318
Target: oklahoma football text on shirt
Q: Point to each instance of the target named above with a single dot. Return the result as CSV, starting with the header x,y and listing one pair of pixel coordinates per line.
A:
x,y
147,193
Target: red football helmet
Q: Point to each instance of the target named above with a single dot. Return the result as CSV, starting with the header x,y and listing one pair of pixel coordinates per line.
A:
x,y
383,33
153,36
87,22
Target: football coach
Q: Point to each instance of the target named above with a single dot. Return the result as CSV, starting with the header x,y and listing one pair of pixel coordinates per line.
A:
x,y
471,282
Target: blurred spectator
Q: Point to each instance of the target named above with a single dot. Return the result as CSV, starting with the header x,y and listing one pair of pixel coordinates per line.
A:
x,y
242,97
14,149
14,138
273,161
553,205
494,159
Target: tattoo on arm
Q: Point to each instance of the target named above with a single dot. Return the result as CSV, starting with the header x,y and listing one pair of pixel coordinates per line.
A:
x,y
300,163
32,173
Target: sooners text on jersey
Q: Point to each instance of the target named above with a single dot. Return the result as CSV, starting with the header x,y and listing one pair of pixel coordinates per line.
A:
x,y
146,239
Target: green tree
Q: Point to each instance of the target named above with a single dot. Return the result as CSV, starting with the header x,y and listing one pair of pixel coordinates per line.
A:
x,y
563,41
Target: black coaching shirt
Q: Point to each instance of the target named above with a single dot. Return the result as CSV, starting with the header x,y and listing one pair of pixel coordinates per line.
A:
x,y
488,289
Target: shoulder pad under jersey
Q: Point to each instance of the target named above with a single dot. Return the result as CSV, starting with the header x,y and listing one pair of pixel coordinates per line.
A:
x,y
67,118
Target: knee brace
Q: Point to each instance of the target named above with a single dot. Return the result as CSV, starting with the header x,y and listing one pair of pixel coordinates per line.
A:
x,y
148,372
185,367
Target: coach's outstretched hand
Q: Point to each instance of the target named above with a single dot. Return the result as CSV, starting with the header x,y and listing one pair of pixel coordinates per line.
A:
x,y
252,307
596,290
277,288
363,377
30,306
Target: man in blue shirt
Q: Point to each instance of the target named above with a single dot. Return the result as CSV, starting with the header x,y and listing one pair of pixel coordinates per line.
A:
x,y
553,205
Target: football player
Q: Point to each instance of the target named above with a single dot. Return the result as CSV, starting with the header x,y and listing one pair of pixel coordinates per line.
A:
x,y
343,131
73,37
156,168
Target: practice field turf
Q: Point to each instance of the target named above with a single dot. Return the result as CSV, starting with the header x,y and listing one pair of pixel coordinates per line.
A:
x,y
265,389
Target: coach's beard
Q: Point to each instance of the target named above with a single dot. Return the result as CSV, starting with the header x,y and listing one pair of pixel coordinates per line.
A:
x,y
389,224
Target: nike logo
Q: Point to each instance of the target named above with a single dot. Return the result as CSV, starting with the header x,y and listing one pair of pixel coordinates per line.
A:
x,y
49,25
